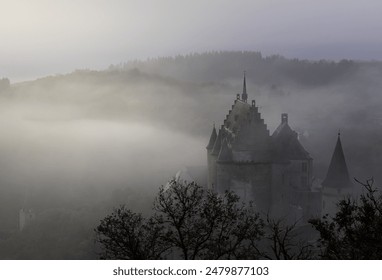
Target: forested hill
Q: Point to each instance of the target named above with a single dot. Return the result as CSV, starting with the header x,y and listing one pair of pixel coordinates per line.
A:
x,y
218,66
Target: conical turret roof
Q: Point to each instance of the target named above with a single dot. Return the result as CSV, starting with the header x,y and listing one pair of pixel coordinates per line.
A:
x,y
212,139
338,175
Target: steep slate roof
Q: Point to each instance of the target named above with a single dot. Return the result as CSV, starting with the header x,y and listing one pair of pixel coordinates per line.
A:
x,y
247,133
212,139
338,175
239,113
286,142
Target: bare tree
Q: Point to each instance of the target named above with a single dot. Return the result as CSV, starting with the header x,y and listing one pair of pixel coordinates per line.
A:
x,y
204,225
285,242
189,221
127,235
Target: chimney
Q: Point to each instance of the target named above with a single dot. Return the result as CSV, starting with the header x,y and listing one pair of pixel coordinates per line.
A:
x,y
253,103
238,96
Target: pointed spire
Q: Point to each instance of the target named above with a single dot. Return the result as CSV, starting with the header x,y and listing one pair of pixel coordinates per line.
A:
x,y
338,175
244,96
212,139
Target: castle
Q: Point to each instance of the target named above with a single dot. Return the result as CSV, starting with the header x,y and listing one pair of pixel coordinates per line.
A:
x,y
274,171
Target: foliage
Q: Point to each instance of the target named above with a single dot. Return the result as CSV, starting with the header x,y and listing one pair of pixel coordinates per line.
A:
x,y
217,66
355,231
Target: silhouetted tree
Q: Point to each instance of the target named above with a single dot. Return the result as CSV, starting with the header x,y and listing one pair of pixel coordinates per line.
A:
x,y
355,231
284,242
203,225
127,235
189,221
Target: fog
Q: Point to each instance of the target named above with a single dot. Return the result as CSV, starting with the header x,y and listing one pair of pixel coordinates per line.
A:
x,y
74,146
51,155
72,158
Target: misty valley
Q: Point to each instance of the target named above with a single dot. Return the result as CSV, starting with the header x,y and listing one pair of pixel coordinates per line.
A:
x,y
74,147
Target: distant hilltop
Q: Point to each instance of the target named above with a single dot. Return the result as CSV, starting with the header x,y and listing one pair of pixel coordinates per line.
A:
x,y
274,69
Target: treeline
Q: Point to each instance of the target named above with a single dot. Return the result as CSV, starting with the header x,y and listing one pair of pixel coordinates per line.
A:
x,y
190,222
216,66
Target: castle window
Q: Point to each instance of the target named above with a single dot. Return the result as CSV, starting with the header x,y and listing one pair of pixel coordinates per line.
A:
x,y
304,167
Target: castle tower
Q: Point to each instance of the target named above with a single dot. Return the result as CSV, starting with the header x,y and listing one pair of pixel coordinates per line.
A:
x,y
337,184
223,168
288,148
292,176
213,154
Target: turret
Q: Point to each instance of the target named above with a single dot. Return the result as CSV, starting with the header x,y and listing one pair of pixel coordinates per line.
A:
x,y
337,184
212,139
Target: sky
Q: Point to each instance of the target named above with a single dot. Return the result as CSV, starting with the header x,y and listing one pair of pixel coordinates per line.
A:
x,y
48,37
